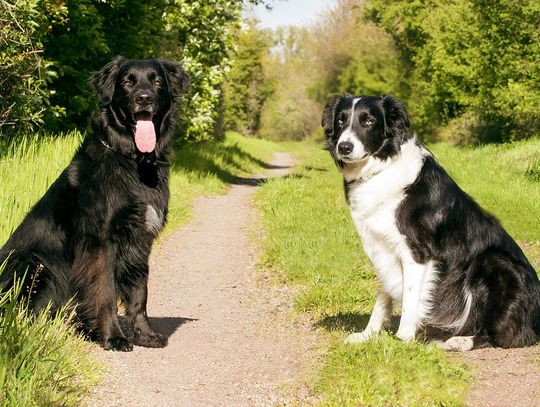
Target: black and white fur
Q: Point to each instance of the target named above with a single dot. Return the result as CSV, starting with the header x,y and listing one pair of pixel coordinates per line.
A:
x,y
448,262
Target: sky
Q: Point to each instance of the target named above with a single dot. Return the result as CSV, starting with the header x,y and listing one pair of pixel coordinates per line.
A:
x,y
290,12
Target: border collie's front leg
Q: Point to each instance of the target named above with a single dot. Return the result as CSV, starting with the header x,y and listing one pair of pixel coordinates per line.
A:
x,y
381,312
416,288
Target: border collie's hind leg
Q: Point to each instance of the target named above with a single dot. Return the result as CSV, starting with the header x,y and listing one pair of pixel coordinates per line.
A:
x,y
135,294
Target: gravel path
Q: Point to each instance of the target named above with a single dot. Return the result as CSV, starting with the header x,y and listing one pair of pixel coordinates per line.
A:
x,y
232,341
505,377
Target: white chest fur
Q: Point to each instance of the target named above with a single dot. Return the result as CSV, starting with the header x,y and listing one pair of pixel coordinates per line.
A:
x,y
373,203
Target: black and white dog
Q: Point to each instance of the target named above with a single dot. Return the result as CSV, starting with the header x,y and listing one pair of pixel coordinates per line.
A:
x,y
449,263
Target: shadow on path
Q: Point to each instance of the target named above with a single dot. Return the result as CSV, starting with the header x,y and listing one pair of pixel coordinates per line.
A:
x,y
168,325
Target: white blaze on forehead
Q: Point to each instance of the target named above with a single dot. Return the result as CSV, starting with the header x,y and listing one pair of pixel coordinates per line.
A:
x,y
349,135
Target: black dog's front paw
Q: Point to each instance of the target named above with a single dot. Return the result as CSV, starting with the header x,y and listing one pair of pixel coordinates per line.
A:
x,y
150,339
118,343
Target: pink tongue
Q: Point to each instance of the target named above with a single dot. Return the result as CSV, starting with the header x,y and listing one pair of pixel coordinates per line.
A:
x,y
145,136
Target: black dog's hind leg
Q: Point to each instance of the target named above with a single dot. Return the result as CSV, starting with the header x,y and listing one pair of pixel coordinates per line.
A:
x,y
135,294
96,298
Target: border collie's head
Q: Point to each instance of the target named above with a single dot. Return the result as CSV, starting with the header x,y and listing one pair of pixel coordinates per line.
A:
x,y
360,127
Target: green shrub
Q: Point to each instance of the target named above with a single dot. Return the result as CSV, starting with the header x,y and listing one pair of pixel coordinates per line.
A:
x,y
23,71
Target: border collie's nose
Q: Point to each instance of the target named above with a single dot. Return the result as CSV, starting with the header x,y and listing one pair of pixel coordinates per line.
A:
x,y
144,99
345,147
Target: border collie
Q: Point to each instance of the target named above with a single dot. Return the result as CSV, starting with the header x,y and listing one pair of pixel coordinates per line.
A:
x,y
89,237
449,263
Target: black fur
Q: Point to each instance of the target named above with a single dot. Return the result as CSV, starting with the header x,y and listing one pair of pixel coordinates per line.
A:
x,y
442,224
87,238
473,253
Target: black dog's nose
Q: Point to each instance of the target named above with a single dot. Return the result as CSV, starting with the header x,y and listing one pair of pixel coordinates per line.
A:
x,y
345,147
144,99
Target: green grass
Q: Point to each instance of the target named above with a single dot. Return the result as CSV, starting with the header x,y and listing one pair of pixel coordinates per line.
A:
x,y
42,361
311,243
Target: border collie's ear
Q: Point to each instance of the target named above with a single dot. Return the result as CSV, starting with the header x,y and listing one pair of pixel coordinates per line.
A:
x,y
176,75
104,80
328,116
397,119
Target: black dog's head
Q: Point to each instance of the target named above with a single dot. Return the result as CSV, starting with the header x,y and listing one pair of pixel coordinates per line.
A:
x,y
141,93
359,127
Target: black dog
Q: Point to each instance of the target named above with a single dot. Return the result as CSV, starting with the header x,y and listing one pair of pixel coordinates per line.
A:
x,y
90,236
449,263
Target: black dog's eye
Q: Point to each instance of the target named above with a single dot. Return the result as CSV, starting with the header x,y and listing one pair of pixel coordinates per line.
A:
x,y
127,82
157,82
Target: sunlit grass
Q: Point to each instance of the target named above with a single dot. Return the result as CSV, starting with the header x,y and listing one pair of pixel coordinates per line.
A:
x,y
43,361
311,243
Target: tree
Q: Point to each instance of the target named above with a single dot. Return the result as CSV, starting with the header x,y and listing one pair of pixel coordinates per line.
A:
x,y
246,87
472,65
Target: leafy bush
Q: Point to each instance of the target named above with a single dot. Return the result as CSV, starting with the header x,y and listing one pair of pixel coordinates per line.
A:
x,y
478,58
23,71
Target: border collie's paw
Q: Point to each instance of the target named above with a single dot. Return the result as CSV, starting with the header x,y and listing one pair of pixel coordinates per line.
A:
x,y
406,334
458,344
359,337
150,339
118,343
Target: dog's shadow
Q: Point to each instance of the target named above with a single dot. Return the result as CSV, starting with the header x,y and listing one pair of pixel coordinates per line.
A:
x,y
351,322
164,325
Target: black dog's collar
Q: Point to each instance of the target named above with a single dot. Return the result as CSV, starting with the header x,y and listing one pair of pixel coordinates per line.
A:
x,y
138,157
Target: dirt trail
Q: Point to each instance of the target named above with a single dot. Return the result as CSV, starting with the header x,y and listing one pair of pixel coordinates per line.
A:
x,y
505,377
231,340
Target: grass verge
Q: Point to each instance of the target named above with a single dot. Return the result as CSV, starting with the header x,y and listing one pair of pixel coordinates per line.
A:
x,y
42,361
316,248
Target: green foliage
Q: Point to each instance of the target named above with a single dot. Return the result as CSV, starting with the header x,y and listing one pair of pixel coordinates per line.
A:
x,y
43,362
340,53
246,87
317,250
289,112
23,71
93,33
76,38
474,58
205,32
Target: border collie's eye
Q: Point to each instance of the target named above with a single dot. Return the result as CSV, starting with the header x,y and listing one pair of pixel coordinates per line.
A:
x,y
368,122
340,122
157,82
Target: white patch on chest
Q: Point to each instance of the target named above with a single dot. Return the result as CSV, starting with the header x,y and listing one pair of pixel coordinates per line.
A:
x,y
373,203
153,219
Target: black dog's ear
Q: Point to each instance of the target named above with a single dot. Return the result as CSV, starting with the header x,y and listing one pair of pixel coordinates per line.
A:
x,y
397,119
176,75
104,80
329,115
